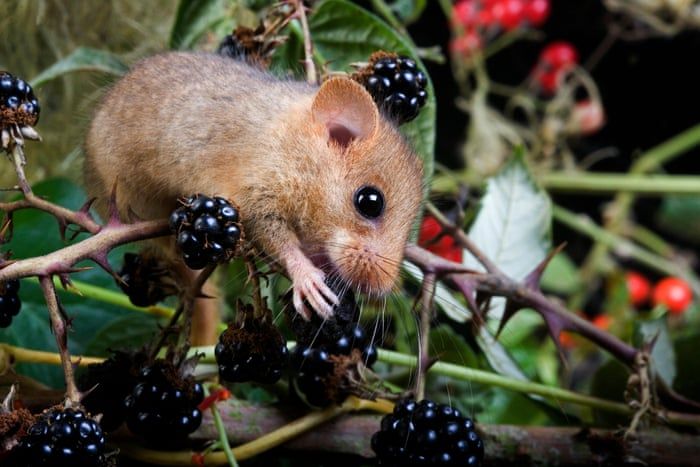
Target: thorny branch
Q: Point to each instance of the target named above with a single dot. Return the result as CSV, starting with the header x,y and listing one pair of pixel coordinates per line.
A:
x,y
527,294
62,262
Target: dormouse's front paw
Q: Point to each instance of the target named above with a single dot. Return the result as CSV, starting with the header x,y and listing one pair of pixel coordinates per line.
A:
x,y
311,288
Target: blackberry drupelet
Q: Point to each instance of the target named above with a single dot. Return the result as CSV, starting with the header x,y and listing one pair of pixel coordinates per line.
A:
x,y
396,84
251,350
18,105
10,303
106,385
426,433
329,353
318,329
207,230
313,367
162,407
62,437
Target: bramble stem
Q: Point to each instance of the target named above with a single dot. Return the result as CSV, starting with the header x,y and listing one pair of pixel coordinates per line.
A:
x,y
589,183
426,316
311,75
22,355
223,437
58,325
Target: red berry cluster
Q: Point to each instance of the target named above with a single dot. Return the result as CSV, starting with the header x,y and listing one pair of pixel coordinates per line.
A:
x,y
672,292
479,18
430,238
554,61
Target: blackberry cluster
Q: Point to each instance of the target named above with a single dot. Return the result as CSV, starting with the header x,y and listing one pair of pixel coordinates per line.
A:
x,y
107,384
252,350
326,349
426,433
162,407
10,303
62,437
207,230
18,105
145,279
397,86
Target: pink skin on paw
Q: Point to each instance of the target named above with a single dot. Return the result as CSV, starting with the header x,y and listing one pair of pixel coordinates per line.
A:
x,y
308,285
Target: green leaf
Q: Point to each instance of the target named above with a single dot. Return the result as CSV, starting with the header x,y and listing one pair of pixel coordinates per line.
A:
x,y
131,331
513,225
193,19
449,346
680,216
82,59
344,33
408,10
663,355
561,275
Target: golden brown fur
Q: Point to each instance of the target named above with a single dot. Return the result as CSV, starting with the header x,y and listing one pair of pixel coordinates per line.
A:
x,y
184,123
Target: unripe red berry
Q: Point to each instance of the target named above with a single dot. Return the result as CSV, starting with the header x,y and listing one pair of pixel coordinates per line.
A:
x,y
638,288
509,13
537,12
464,12
674,293
558,55
467,44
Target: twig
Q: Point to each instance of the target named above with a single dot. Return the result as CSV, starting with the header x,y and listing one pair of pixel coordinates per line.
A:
x,y
311,75
426,317
58,324
22,355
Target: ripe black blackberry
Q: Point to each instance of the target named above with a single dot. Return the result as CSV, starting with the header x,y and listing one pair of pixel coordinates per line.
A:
x,y
426,433
207,230
162,407
62,437
146,279
107,384
18,105
318,329
313,367
251,350
10,303
396,84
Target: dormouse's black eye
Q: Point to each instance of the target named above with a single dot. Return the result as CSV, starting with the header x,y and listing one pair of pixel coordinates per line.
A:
x,y
369,202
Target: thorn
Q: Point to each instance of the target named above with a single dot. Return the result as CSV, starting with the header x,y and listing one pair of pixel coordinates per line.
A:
x,y
101,259
532,281
85,208
555,328
62,228
509,311
66,282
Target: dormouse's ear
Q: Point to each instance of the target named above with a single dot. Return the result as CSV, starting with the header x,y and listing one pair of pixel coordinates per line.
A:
x,y
346,109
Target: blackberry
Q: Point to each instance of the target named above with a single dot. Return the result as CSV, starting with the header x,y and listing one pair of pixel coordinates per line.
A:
x,y
396,84
426,433
325,330
62,437
146,279
251,350
162,407
313,367
10,303
18,105
207,230
108,383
